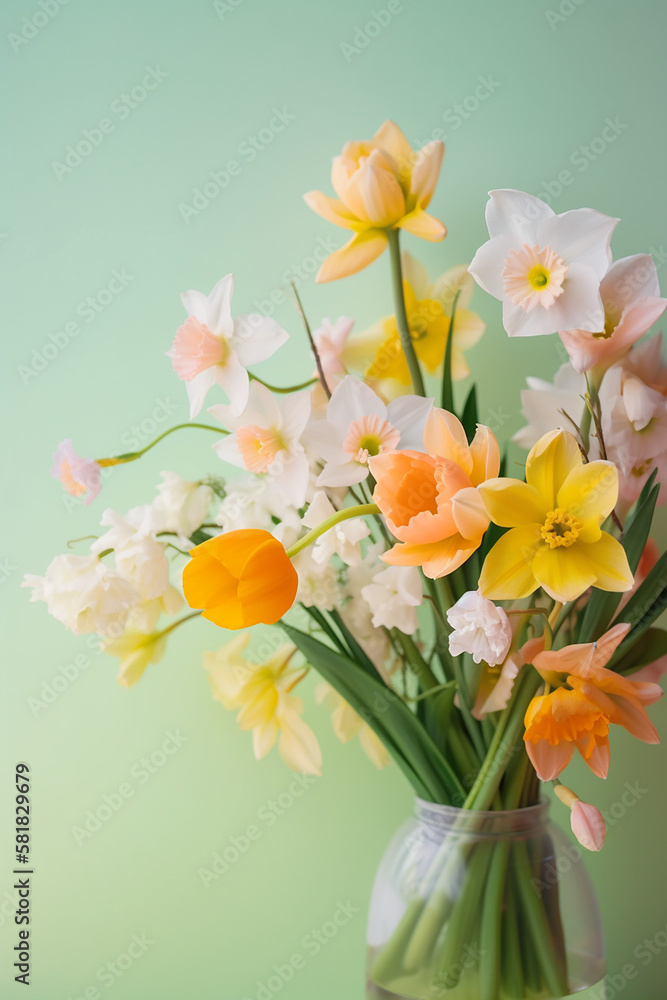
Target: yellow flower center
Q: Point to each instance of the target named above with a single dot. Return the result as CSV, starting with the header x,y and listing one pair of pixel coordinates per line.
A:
x,y
560,528
539,277
371,444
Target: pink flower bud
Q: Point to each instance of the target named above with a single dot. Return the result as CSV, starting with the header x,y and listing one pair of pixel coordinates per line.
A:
x,y
588,825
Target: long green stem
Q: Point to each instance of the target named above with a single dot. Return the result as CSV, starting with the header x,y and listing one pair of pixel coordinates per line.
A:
x,y
132,456
418,665
286,388
362,510
401,314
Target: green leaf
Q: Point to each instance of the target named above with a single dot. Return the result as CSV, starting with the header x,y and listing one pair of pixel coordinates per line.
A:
x,y
646,604
602,605
447,394
469,414
357,652
407,741
648,648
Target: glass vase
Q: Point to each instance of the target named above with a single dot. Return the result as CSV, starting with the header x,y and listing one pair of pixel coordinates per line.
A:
x,y
471,905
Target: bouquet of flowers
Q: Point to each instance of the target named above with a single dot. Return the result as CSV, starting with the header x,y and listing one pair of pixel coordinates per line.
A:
x,y
475,627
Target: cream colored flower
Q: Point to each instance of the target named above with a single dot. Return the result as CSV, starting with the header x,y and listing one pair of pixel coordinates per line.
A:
x,y
347,724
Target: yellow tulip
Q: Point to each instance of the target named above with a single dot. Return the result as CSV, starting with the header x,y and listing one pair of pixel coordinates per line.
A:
x,y
381,184
555,539
263,694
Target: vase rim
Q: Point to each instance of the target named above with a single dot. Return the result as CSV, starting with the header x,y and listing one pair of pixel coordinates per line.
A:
x,y
526,821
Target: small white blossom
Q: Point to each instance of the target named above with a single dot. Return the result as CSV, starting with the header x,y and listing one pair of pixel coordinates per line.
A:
x,y
343,539
140,557
481,628
84,594
181,505
393,596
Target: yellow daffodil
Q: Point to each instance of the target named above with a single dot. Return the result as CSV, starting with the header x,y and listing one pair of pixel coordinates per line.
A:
x,y
263,694
347,724
429,308
381,184
555,539
136,650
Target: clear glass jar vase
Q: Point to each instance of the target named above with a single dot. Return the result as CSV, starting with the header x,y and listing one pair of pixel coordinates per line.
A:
x,y
471,905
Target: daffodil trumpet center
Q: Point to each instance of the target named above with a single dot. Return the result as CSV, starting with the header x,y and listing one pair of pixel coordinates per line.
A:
x,y
361,510
534,276
560,529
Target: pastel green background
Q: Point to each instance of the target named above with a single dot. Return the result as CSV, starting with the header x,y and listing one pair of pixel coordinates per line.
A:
x,y
555,77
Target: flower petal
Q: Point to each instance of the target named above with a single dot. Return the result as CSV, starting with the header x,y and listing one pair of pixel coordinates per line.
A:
x,y
507,572
565,573
426,172
485,453
487,264
549,760
608,559
436,559
590,491
550,462
515,212
582,236
445,437
357,254
470,514
425,226
257,338
331,209
511,503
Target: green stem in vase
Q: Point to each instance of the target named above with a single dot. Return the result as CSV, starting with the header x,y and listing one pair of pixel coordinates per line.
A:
x,y
401,314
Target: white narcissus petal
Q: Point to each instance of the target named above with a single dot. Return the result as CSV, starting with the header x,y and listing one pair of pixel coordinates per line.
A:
x,y
234,379
352,399
292,479
344,474
408,415
219,307
487,264
197,389
227,450
256,338
325,441
196,304
581,236
295,411
517,213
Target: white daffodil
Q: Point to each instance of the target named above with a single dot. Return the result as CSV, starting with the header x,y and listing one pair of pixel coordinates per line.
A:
x,y
545,268
252,503
318,582
393,597
343,539
265,439
359,426
544,405
481,628
140,557
181,506
211,347
84,594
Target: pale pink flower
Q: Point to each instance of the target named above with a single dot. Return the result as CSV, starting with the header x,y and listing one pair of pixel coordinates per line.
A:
x,y
632,304
80,476
212,348
588,825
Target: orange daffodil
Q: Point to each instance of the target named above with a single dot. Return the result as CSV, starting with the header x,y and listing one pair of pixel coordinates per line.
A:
x,y
588,699
381,184
430,500
555,539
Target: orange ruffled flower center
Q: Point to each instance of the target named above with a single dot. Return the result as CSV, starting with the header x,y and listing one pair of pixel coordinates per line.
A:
x,y
560,529
72,485
534,276
368,436
259,446
565,715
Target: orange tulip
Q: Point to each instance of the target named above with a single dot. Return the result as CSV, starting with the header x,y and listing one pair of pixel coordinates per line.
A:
x,y
430,499
240,578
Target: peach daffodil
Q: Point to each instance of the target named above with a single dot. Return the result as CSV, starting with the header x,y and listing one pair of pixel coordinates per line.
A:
x,y
213,348
632,304
430,500
555,539
381,184
587,700
545,268
240,578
